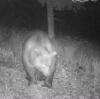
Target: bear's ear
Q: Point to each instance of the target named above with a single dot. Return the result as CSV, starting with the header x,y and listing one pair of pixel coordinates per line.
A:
x,y
53,54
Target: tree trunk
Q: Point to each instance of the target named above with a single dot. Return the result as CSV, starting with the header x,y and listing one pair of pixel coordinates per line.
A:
x,y
50,15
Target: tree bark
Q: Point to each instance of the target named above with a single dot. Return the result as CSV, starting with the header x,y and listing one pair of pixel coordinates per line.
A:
x,y
50,15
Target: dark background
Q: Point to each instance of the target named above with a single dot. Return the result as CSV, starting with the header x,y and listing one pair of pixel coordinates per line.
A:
x,y
31,15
